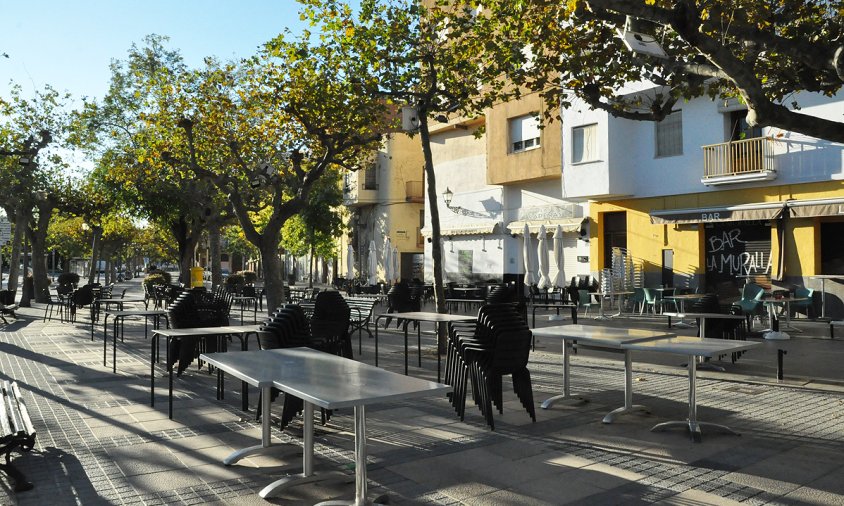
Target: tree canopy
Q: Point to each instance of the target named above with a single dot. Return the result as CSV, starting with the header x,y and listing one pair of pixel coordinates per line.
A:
x,y
764,53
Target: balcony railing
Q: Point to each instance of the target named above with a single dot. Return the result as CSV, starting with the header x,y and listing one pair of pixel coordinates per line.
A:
x,y
414,192
742,160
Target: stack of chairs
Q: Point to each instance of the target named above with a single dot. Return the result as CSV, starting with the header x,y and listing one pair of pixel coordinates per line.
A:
x,y
194,309
400,299
330,324
497,344
289,327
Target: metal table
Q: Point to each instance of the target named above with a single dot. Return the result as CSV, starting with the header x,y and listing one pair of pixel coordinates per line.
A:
x,y
703,317
823,278
242,332
120,316
682,309
775,332
420,316
604,338
323,380
611,295
692,347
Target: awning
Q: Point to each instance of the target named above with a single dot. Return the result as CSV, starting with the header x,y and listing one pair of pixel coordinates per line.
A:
x,y
465,228
764,211
568,224
818,207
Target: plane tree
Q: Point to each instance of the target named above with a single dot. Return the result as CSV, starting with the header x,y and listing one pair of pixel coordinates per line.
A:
x,y
125,134
416,54
265,130
764,53
35,174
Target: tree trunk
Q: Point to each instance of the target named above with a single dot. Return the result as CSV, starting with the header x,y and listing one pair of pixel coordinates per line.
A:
x,y
214,240
186,259
95,243
273,278
436,251
15,259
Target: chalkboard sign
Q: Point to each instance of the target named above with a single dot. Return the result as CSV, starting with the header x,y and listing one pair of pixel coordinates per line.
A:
x,y
736,251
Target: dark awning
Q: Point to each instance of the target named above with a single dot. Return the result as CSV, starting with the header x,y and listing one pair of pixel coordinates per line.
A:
x,y
818,207
764,211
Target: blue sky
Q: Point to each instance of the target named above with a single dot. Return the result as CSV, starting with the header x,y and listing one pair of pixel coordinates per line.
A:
x,y
69,43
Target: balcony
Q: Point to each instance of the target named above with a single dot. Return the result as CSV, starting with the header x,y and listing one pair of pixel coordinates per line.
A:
x,y
358,191
743,161
414,192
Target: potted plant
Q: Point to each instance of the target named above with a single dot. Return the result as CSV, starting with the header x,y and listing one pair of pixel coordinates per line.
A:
x,y
68,278
249,277
235,281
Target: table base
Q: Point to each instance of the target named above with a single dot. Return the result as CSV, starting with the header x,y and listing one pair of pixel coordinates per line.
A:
x,y
694,428
381,499
775,335
295,480
565,398
633,408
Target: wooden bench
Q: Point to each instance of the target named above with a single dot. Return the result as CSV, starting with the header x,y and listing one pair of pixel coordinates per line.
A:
x,y
8,311
16,432
361,316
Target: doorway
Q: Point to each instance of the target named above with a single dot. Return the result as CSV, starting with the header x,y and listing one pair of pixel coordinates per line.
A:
x,y
615,234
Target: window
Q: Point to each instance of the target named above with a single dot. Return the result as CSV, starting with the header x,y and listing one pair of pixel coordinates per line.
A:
x,y
369,181
524,133
584,143
669,135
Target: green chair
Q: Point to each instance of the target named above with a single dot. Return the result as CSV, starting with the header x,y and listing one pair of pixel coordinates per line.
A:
x,y
638,298
651,300
804,305
584,300
751,302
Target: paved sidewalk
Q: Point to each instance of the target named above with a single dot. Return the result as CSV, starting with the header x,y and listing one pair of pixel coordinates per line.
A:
x,y
99,441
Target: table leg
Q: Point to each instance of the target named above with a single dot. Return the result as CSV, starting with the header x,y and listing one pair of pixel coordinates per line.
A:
x,y
307,475
419,342
169,379
628,407
547,403
702,363
692,424
152,356
114,344
266,437
823,298
406,322
682,324
376,340
105,339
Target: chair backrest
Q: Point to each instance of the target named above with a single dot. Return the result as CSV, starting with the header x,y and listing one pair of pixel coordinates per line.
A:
x,y
752,291
802,291
83,296
649,294
638,294
584,298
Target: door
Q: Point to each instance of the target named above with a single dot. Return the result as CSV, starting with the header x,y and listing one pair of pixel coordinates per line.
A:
x,y
615,234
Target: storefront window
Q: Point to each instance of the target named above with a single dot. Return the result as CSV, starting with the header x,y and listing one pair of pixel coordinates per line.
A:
x,y
832,248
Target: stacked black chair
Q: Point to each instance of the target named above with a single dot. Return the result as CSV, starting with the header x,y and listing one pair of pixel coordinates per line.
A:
x,y
289,328
496,345
194,309
400,300
330,324
80,298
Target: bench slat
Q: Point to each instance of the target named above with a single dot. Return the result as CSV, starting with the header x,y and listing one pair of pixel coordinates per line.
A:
x,y
27,421
4,414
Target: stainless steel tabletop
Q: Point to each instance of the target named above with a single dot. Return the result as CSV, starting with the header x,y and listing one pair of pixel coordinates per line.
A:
x,y
607,337
688,345
325,380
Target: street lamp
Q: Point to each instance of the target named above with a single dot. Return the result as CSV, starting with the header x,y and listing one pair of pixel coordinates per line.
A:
x,y
447,196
